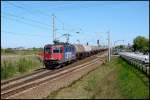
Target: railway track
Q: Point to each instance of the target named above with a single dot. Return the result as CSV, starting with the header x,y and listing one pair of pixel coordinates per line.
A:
x,y
17,85
3,82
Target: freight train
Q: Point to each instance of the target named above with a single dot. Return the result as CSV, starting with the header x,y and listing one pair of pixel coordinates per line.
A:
x,y
61,53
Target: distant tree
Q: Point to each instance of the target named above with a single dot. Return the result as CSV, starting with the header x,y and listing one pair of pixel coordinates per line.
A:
x,y
34,49
40,49
9,50
120,47
2,50
141,44
37,49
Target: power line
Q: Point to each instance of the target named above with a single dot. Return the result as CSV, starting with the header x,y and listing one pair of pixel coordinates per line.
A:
x,y
69,30
31,12
27,10
18,34
14,33
25,19
60,21
25,22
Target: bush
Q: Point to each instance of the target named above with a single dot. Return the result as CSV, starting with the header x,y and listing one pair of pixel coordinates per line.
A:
x,y
22,65
7,69
9,50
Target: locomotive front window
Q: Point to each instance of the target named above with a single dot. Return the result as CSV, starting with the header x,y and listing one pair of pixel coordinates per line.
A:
x,y
61,50
47,50
57,50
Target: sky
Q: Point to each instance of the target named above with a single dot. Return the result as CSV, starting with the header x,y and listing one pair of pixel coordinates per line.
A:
x,y
29,23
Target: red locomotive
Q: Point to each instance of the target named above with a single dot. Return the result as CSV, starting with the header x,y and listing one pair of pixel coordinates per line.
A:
x,y
62,53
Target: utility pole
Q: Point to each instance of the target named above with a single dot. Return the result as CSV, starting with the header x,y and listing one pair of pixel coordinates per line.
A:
x,y
98,43
87,43
108,46
54,35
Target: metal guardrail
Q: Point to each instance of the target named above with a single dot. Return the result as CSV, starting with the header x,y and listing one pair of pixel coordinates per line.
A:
x,y
142,66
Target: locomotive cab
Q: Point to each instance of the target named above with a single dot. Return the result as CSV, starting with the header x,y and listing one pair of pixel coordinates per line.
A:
x,y
47,52
57,53
53,55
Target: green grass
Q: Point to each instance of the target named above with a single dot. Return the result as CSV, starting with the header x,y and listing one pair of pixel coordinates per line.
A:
x,y
19,66
114,80
130,82
7,70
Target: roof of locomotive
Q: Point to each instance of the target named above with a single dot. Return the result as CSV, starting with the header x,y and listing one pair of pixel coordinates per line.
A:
x,y
58,44
48,45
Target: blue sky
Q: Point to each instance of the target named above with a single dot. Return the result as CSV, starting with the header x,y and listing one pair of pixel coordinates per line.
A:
x,y
29,23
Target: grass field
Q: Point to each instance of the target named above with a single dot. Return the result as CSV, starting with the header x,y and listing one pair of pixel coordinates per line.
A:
x,y
10,51
114,80
17,65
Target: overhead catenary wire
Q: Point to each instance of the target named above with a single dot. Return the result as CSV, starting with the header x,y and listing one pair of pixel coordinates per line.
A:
x,y
21,22
60,22
32,20
41,13
38,11
27,10
19,33
67,29
64,24
25,23
31,12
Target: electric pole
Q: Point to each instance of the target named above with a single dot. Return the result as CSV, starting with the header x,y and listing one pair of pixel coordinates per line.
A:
x,y
54,34
98,43
108,46
87,43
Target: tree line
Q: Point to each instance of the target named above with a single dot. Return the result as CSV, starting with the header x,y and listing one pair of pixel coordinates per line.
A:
x,y
16,51
141,44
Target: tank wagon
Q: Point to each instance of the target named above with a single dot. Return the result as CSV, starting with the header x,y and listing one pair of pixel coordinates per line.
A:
x,y
62,53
